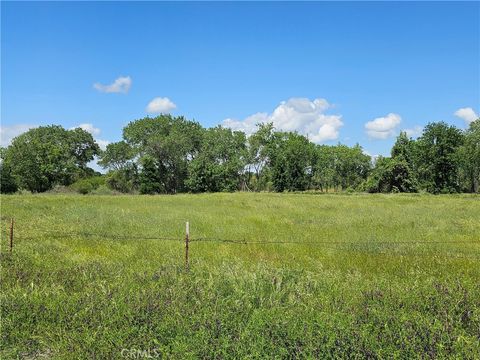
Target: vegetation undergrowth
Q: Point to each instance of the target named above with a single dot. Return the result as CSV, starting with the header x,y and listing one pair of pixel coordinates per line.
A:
x,y
369,276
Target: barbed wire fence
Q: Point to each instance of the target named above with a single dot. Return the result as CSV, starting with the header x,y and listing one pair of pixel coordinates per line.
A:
x,y
12,235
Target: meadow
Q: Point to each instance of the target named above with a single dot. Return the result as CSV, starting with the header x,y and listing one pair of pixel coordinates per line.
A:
x,y
271,276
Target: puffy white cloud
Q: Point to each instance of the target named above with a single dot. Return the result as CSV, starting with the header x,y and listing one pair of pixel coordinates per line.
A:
x,y
102,143
7,133
88,128
296,114
383,127
248,125
160,105
415,131
120,85
467,114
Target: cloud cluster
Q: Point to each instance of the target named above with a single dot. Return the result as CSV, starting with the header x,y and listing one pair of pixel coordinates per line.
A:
x,y
89,128
467,114
383,127
7,133
296,114
160,105
120,85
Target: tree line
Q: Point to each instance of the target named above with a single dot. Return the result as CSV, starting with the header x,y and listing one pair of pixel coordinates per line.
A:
x,y
168,155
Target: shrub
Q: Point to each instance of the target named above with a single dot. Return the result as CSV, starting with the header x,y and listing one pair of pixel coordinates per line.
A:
x,y
8,185
104,190
390,175
124,181
87,185
60,189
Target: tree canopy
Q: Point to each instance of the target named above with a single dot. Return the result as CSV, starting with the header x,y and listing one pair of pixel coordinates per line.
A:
x,y
168,154
49,155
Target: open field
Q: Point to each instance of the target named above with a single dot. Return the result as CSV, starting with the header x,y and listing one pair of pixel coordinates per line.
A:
x,y
350,276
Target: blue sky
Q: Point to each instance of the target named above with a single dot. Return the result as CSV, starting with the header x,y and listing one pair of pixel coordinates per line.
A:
x,y
337,72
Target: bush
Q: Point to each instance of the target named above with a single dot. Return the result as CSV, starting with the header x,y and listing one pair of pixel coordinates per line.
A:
x,y
124,181
87,185
104,190
60,189
8,185
390,175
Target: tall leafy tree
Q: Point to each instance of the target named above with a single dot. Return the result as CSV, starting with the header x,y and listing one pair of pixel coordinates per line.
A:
x,y
117,156
258,162
435,158
49,155
395,173
8,184
171,142
324,175
352,166
220,164
151,180
404,148
468,156
391,175
340,167
119,159
291,158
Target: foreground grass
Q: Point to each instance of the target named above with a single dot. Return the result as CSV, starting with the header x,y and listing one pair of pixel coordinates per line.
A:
x,y
357,276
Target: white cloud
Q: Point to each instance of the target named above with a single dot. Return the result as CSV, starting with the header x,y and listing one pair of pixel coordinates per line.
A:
x,y
102,143
120,85
7,133
248,125
383,127
296,114
88,128
414,132
160,105
467,114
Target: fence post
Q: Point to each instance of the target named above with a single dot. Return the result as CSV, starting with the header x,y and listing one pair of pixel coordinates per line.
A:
x,y
187,236
11,235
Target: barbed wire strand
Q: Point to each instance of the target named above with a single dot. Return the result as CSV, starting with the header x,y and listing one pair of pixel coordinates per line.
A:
x,y
241,241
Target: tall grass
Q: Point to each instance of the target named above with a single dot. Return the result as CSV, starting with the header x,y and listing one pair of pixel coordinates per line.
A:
x,y
323,276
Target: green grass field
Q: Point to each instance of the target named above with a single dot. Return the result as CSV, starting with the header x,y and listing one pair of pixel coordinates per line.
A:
x,y
321,276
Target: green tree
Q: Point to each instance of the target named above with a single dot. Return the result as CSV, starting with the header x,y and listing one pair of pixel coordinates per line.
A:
x,y
340,167
391,174
151,181
49,155
352,166
324,176
291,158
221,162
403,148
170,143
468,156
436,162
8,183
119,158
395,173
257,161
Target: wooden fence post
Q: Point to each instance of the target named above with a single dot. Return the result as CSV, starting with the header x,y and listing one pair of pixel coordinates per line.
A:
x,y
11,235
187,236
